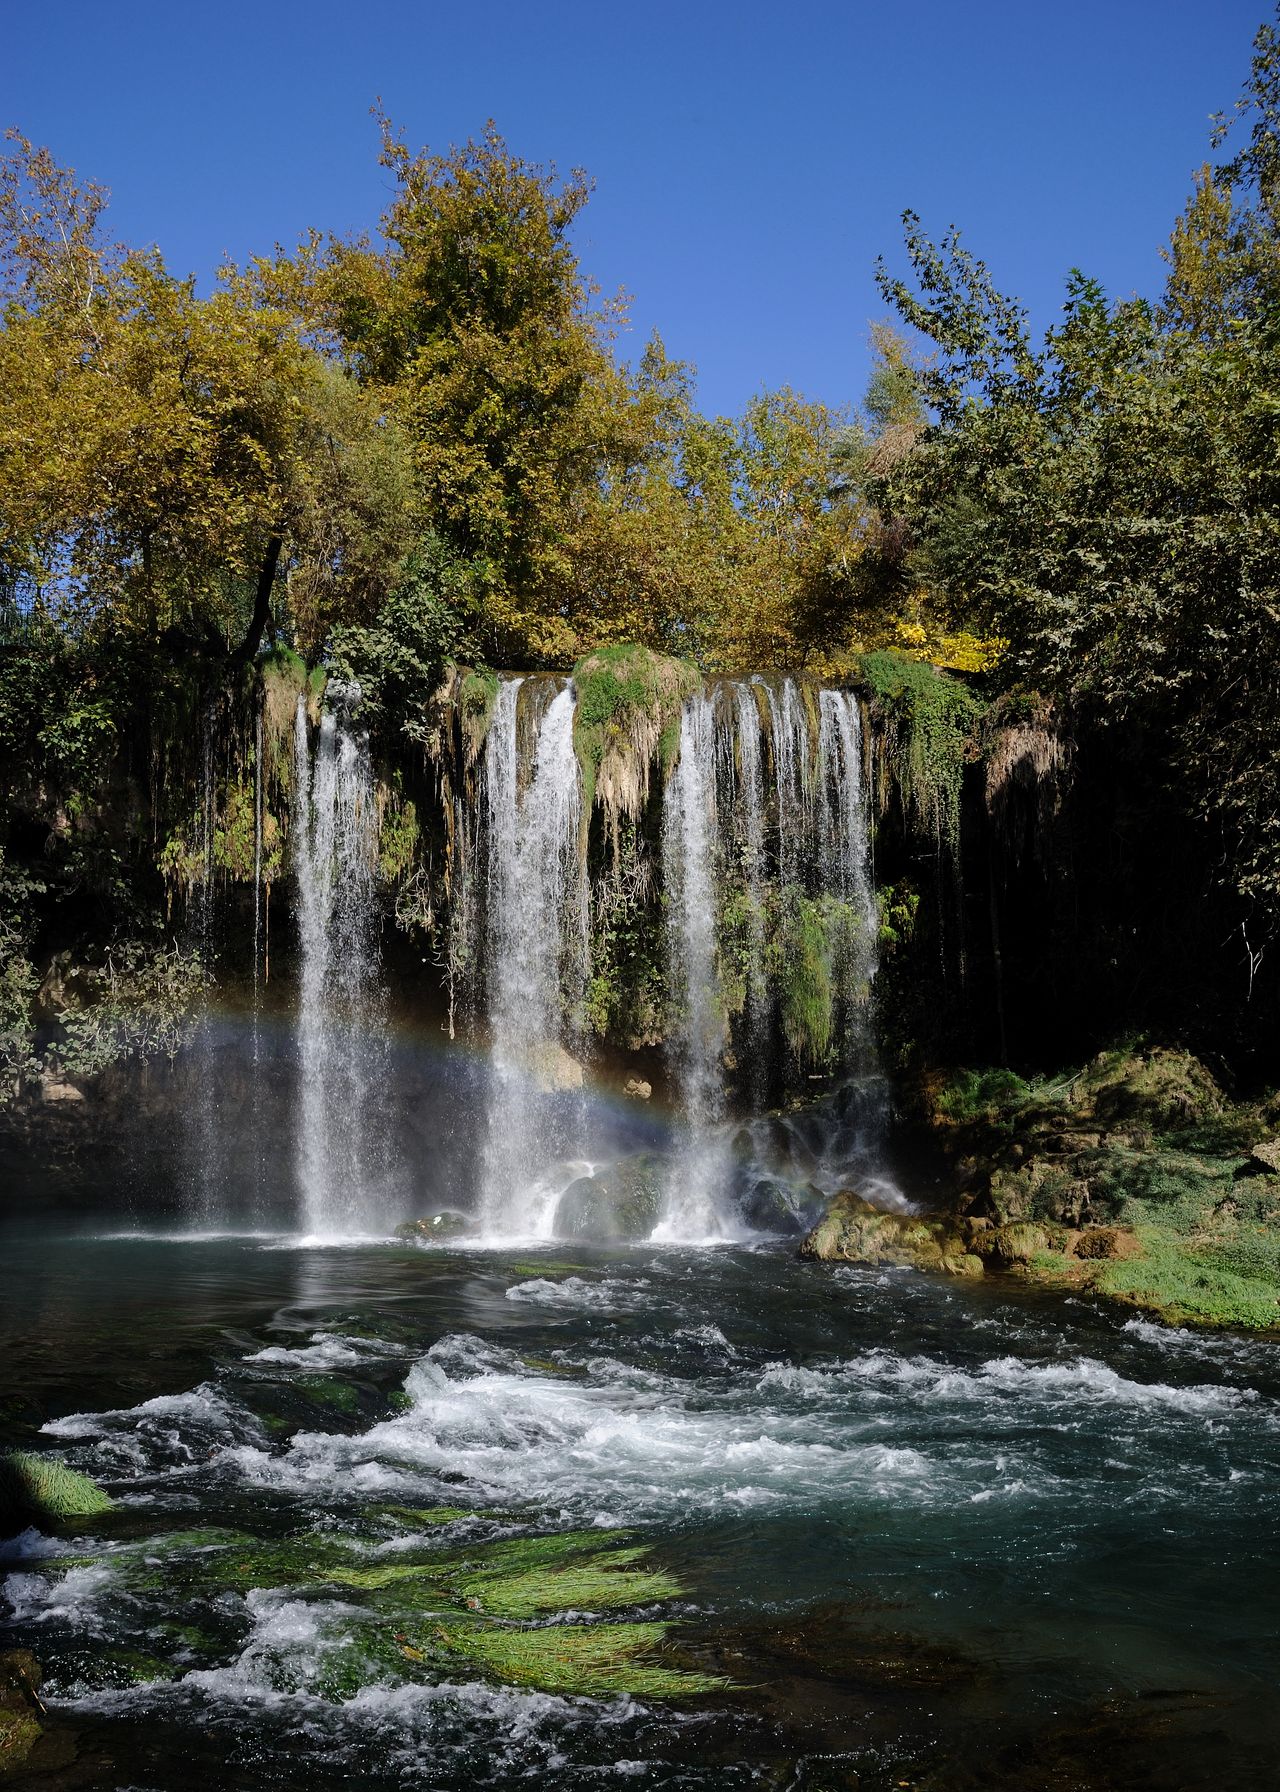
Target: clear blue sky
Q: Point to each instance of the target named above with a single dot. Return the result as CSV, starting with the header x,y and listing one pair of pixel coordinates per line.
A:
x,y
751,160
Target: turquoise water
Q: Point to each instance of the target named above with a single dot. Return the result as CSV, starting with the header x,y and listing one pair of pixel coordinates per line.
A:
x,y
919,1533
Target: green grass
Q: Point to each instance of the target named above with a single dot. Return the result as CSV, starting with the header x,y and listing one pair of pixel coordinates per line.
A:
x,y
35,1488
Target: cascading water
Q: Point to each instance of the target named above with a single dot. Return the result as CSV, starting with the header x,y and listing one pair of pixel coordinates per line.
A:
x,y
690,823
335,845
536,936
842,852
750,797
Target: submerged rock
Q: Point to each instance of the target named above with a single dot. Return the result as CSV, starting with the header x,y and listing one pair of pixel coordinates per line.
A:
x,y
853,1231
623,1202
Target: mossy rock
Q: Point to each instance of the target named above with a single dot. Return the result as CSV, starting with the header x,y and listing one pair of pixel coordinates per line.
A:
x,y
40,1489
853,1231
20,1730
623,1202
628,705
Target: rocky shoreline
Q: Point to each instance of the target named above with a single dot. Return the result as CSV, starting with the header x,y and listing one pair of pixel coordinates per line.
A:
x,y
1134,1178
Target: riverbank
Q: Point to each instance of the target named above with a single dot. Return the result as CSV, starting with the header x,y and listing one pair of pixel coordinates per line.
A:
x,y
1134,1177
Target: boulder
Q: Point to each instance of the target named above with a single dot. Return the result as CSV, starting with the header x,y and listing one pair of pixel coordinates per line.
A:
x,y
780,1208
624,1201
853,1231
637,1088
1097,1242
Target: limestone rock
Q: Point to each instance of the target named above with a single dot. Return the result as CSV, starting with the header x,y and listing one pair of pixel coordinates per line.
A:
x,y
1097,1242
782,1209
56,1087
553,1069
853,1231
1266,1156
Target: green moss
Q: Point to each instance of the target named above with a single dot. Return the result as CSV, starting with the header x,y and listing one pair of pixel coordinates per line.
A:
x,y
430,1515
328,1390
930,720
593,1661
801,967
19,1733
398,834
40,1488
477,695
628,698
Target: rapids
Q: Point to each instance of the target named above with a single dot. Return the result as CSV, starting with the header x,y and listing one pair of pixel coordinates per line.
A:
x,y
912,1532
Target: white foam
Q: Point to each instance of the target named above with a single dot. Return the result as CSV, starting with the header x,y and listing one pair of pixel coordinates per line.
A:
x,y
327,1350
70,1598
608,1449
1079,1378
576,1294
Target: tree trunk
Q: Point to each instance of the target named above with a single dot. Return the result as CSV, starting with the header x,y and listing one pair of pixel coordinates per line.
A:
x,y
261,604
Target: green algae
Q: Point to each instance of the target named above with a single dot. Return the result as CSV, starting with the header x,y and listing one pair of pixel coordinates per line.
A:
x,y
329,1390
423,1612
19,1733
42,1489
594,1661
431,1515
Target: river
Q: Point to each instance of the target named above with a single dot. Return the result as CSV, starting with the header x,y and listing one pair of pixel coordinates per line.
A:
x,y
870,1529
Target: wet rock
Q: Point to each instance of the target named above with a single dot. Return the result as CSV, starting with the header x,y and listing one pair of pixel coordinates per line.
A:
x,y
445,1224
781,1209
21,1708
637,1088
853,1231
623,1201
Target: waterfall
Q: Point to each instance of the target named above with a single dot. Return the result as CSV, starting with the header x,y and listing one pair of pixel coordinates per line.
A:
x,y
750,789
334,849
843,852
690,826
536,913
789,727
